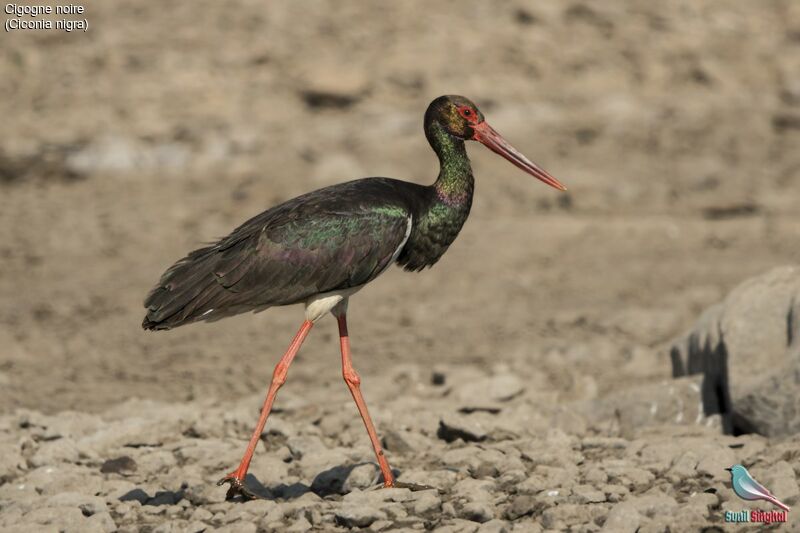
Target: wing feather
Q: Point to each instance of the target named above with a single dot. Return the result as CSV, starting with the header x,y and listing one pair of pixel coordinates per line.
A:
x,y
313,244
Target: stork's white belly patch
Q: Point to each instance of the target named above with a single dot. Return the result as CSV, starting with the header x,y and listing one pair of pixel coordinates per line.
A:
x,y
319,305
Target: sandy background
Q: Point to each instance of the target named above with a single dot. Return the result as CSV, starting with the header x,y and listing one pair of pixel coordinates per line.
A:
x,y
674,125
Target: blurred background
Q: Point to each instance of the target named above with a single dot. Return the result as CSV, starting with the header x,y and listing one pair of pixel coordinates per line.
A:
x,y
675,126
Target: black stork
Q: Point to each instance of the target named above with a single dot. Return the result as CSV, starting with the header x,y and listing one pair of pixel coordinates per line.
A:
x,y
322,247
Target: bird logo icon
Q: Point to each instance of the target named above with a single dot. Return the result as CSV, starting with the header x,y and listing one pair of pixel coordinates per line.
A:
x,y
748,488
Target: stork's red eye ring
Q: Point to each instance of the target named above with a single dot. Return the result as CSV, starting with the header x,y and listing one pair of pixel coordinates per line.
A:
x,y
468,113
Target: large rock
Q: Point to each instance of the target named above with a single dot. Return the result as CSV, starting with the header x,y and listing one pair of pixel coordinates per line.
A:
x,y
681,401
747,351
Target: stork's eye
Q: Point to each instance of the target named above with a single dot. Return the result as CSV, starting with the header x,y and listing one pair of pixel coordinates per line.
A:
x,y
466,112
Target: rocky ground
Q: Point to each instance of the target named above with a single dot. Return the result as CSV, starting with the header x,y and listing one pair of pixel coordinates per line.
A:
x,y
577,361
496,454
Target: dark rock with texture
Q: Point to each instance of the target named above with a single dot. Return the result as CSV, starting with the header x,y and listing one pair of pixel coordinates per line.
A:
x,y
747,351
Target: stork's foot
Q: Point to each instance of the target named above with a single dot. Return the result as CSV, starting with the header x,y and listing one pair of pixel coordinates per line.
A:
x,y
413,487
237,488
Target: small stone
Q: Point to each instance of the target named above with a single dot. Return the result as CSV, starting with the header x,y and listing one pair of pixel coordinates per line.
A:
x,y
587,494
632,477
355,515
494,526
714,462
196,527
59,451
102,521
781,481
557,496
654,503
89,505
427,501
504,387
614,493
164,497
361,477
204,494
465,456
564,516
477,511
610,443
121,465
474,489
157,460
301,525
381,525
11,462
521,506
200,514
699,504
331,481
453,427
623,518
684,466
66,518
260,508
137,495
532,485
485,469
457,526
238,527
595,476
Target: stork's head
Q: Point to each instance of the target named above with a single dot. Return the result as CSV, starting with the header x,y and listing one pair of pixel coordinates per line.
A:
x,y
461,118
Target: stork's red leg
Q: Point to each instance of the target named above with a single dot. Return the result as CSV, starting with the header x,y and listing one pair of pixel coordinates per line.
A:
x,y
354,384
236,478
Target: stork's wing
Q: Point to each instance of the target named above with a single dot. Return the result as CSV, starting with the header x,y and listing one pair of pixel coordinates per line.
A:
x,y
315,243
288,262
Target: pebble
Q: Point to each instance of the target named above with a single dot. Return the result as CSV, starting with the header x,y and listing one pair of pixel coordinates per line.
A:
x,y
477,511
426,502
495,526
623,518
587,494
522,506
361,477
121,465
457,526
454,426
354,515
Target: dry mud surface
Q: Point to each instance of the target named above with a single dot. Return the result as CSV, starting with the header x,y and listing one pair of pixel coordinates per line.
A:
x,y
518,377
496,453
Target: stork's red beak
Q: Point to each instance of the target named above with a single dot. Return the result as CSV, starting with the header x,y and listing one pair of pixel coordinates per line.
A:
x,y
487,136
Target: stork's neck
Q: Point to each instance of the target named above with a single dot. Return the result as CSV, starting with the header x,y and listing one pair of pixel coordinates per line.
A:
x,y
446,207
455,184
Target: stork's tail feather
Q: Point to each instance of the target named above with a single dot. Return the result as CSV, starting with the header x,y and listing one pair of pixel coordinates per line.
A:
x,y
184,294
152,325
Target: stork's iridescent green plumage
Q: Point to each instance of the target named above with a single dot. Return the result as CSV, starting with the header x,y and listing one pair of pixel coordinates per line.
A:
x,y
337,238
